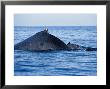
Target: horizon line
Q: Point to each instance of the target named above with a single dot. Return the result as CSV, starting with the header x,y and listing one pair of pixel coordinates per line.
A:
x,y
55,26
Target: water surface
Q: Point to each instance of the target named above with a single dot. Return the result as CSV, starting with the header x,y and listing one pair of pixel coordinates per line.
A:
x,y
57,63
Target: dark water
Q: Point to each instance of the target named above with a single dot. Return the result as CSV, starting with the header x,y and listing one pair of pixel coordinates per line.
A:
x,y
57,63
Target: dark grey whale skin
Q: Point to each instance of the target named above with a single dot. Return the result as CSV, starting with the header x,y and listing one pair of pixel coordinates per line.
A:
x,y
43,41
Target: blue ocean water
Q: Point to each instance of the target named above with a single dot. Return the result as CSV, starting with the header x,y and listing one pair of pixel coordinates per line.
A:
x,y
57,63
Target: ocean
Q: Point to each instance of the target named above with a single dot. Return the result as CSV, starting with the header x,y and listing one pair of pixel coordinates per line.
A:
x,y
57,63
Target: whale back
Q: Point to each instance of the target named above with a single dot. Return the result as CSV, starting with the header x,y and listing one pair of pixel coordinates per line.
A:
x,y
41,41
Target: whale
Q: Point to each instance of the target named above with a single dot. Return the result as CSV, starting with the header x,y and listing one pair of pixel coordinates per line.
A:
x,y
41,41
44,41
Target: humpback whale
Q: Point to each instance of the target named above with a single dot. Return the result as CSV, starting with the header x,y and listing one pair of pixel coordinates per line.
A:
x,y
43,41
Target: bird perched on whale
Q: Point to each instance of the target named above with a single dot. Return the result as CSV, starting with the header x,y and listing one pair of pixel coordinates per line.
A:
x,y
43,41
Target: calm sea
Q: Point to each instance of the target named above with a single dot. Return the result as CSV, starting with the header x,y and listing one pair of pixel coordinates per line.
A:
x,y
57,63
